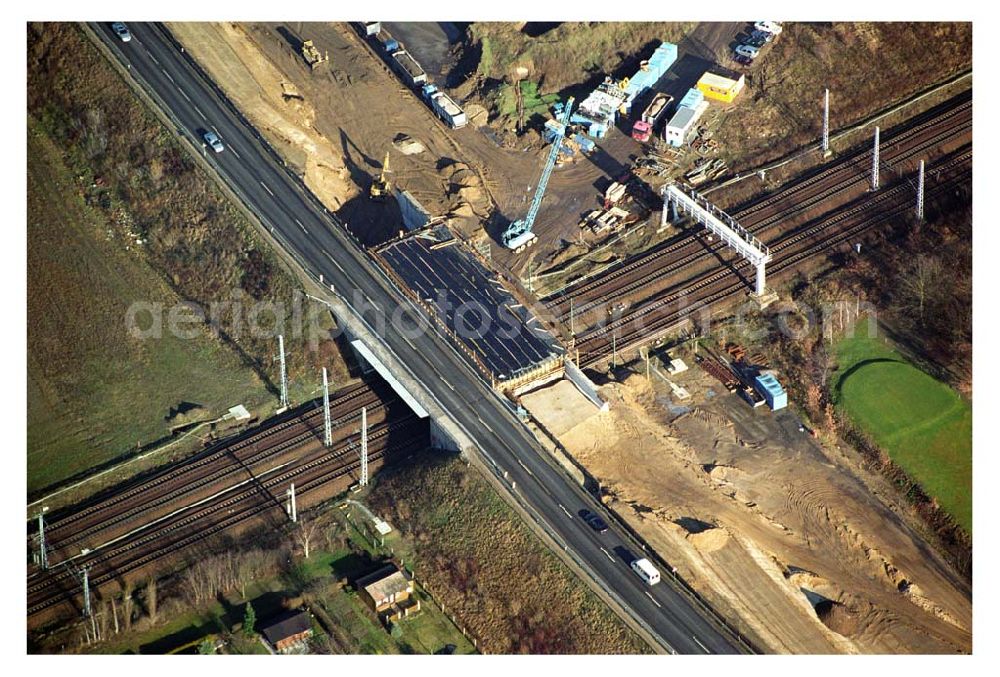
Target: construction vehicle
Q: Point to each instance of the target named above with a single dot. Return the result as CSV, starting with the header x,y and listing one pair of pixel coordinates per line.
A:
x,y
518,235
380,185
644,126
312,55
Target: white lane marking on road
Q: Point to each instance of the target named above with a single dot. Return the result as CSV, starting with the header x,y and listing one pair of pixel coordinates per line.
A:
x,y
526,468
609,555
302,227
267,189
233,150
169,77
565,511
446,383
703,647
152,56
200,113
334,261
184,94
485,424
655,602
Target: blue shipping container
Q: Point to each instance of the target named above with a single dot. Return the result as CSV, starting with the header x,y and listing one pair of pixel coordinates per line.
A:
x,y
693,97
771,391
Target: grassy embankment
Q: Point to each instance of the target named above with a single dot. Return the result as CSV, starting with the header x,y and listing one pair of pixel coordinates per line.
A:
x,y
781,108
119,213
924,426
481,561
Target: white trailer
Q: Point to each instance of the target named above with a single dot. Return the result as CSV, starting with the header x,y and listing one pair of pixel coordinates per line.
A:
x,y
683,122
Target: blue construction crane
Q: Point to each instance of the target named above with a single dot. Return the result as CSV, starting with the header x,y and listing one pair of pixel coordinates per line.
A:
x,y
518,234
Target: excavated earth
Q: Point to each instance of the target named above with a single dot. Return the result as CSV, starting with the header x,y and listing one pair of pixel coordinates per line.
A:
x,y
778,532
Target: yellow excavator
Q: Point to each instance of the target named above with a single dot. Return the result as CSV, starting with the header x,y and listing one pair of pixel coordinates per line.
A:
x,y
380,185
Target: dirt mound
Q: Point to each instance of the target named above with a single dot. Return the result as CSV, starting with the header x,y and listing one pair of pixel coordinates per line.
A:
x,y
841,618
710,540
407,145
476,114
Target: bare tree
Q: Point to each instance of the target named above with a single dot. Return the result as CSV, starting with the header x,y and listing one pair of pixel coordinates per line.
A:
x,y
333,535
305,531
921,282
103,618
127,605
761,80
151,599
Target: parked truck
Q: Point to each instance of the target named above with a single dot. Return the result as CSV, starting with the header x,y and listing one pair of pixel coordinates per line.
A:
x,y
444,106
413,74
655,111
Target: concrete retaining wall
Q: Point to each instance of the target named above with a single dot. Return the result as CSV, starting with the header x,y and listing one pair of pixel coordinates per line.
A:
x,y
414,215
584,385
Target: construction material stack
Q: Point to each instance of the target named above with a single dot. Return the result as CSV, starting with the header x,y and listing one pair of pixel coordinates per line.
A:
x,y
597,113
649,73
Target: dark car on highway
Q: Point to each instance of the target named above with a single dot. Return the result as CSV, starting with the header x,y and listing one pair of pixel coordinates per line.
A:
x,y
595,521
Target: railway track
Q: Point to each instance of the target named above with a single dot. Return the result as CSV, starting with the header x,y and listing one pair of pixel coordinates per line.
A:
x,y
77,526
654,319
646,270
167,536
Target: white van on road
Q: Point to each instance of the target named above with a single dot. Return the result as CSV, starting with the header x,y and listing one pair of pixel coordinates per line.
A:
x,y
646,571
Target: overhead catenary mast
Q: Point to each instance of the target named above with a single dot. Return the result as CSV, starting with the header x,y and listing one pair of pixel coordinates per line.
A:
x,y
364,446
875,161
327,423
920,192
85,573
43,556
284,374
826,122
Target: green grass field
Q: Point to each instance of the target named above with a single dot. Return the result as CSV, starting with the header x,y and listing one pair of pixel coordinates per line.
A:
x,y
924,426
94,392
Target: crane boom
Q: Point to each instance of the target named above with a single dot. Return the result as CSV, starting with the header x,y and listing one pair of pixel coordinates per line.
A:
x,y
519,232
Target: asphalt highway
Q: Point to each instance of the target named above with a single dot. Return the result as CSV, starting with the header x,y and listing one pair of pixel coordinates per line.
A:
x,y
323,247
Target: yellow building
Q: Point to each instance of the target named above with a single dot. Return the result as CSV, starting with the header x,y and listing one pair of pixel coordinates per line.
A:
x,y
720,87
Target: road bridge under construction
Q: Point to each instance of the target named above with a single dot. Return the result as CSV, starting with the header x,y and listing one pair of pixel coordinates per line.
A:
x,y
457,398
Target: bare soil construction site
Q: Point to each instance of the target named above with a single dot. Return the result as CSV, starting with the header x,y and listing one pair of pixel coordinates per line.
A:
x,y
791,538
770,526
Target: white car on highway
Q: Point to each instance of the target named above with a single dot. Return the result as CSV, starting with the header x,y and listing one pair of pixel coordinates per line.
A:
x,y
121,30
213,140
